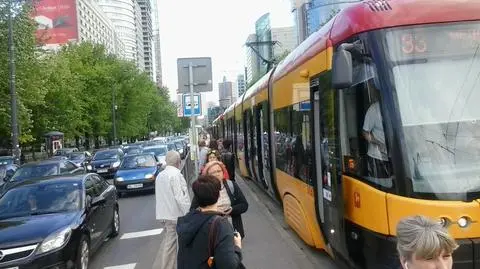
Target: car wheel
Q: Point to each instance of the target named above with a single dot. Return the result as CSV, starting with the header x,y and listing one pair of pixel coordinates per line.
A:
x,y
83,253
115,223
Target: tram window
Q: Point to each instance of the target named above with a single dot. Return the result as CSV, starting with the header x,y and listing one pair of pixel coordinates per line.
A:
x,y
301,144
239,144
363,143
283,137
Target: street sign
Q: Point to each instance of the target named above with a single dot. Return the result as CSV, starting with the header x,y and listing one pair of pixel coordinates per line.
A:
x,y
202,74
197,109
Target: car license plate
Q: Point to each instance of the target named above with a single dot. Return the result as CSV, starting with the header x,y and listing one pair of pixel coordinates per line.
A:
x,y
102,170
134,186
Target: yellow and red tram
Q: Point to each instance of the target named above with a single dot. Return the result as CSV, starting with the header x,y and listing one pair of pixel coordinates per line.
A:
x,y
371,119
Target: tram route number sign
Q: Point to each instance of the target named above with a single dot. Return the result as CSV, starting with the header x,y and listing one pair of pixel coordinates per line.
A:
x,y
434,41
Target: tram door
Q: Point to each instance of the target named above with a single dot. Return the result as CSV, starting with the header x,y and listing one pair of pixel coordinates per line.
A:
x,y
328,164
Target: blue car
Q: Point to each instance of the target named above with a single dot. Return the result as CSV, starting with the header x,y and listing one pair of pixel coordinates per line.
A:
x,y
137,173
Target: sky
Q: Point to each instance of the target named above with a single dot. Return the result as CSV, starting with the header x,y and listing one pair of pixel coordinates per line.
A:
x,y
212,28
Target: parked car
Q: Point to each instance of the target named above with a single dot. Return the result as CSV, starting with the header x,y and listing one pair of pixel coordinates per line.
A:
x,y
137,173
56,222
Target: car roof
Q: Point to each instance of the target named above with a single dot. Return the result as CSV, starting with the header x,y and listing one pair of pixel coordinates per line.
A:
x,y
50,179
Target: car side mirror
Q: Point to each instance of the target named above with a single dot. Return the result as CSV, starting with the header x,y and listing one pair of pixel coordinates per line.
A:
x,y
98,201
88,201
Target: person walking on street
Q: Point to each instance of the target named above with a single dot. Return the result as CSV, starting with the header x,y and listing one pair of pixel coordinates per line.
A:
x,y
172,201
228,158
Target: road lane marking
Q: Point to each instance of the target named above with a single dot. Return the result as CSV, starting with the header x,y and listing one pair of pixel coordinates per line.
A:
x,y
142,233
123,266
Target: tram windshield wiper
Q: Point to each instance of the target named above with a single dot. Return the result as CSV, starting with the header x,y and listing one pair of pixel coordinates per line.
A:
x,y
441,146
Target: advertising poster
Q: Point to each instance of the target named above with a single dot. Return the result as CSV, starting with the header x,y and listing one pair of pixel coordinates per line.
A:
x,y
57,21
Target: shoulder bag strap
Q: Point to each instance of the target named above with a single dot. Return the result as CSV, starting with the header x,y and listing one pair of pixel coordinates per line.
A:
x,y
212,237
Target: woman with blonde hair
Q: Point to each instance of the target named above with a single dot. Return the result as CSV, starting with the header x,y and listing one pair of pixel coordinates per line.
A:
x,y
423,243
232,202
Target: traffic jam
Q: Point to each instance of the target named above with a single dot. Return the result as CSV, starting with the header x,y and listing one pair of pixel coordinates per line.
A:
x,y
57,212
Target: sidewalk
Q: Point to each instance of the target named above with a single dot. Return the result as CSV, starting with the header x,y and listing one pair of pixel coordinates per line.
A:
x,y
269,242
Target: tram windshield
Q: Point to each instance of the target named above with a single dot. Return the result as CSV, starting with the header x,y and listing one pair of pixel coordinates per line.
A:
x,y
436,76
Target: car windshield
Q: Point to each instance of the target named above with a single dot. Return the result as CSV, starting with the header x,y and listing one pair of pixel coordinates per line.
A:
x,y
76,156
105,155
6,160
171,146
35,171
157,151
39,199
436,75
133,150
139,161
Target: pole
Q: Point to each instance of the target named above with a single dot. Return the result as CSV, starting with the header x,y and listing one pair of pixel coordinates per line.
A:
x,y
194,143
13,94
114,108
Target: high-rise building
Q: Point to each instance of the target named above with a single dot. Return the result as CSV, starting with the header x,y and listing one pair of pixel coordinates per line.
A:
x,y
124,14
286,40
139,36
157,53
252,60
87,23
299,8
241,85
147,30
225,90
319,12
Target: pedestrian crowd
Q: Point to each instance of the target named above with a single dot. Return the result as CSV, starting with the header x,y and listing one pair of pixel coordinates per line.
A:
x,y
207,230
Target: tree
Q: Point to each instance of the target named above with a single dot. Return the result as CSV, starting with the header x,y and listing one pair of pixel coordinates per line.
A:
x,y
29,88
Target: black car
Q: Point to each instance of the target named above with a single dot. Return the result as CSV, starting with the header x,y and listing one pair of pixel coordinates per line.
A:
x,y
56,222
106,162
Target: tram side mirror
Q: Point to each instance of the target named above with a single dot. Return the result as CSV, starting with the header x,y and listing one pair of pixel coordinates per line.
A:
x,y
342,69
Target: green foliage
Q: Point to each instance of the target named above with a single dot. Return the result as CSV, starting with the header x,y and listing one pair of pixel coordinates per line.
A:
x,y
74,91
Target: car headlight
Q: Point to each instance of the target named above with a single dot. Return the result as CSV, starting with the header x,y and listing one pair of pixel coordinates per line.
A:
x,y
89,167
119,179
149,176
116,164
55,241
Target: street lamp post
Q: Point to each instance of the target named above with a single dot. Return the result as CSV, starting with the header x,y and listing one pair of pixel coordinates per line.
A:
x,y
13,94
114,108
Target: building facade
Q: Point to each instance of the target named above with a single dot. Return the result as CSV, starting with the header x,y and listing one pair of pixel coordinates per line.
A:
x,y
123,15
287,41
225,93
319,12
252,60
157,53
139,36
299,8
147,34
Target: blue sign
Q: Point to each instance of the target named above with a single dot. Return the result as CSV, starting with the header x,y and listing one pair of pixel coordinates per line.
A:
x,y
197,108
305,106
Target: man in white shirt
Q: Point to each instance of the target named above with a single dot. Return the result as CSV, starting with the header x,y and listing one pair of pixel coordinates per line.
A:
x,y
378,162
172,202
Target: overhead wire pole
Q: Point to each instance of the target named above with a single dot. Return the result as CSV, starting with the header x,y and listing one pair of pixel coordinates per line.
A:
x,y
13,93
269,62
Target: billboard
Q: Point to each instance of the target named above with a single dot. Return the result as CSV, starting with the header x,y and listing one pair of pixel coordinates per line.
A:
x,y
57,21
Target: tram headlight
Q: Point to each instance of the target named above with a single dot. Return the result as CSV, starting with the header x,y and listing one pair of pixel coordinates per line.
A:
x,y
463,222
444,222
